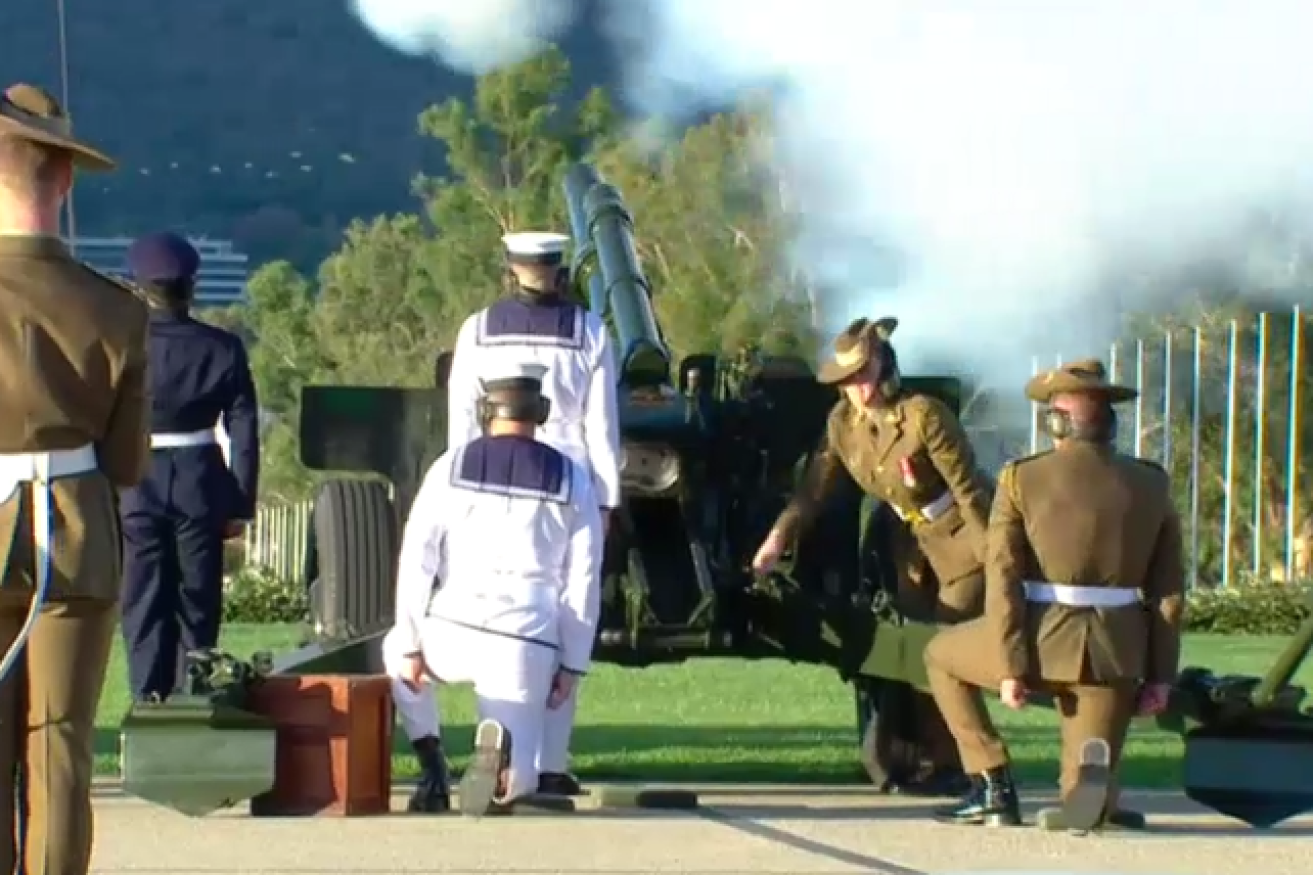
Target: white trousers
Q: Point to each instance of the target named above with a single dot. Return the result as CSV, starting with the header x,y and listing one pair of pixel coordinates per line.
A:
x,y
558,725
512,680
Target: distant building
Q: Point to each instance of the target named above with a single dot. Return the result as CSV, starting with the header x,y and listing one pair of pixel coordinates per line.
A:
x,y
224,270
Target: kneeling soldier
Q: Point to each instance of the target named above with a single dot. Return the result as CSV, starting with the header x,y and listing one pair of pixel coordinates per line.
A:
x,y
510,530
1084,596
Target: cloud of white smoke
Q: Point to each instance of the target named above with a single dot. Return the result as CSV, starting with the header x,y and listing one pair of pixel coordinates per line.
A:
x,y
1012,151
475,36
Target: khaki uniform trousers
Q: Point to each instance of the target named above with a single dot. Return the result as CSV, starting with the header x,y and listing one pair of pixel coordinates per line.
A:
x,y
960,670
922,597
47,733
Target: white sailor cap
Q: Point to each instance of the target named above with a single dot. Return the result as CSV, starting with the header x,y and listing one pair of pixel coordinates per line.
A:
x,y
536,247
527,376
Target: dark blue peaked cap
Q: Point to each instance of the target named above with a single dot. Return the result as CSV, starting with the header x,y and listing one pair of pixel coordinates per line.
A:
x,y
162,258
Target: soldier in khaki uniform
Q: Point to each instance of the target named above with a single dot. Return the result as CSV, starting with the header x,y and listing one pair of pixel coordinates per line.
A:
x,y
909,451
1084,597
72,388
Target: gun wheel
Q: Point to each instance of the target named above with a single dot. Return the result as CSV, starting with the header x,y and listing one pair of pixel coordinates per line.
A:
x,y
355,532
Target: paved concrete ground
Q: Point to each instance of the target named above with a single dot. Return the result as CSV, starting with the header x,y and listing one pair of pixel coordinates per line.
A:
x,y
796,830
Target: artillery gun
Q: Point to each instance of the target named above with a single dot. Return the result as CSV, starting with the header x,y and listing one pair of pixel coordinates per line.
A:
x,y
712,451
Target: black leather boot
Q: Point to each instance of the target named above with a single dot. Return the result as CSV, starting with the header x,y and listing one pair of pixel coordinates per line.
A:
x,y
991,802
559,784
433,793
941,781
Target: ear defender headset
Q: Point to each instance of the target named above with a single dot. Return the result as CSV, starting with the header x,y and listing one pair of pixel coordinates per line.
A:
x,y
514,400
1059,425
560,284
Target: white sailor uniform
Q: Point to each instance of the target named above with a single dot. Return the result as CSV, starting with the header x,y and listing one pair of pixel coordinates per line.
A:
x,y
510,529
575,346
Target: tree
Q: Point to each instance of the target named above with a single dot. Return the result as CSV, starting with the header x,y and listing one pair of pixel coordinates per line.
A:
x,y
285,355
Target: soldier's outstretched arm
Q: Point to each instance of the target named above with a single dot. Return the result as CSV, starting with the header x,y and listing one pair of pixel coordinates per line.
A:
x,y
242,422
581,594
951,453
602,424
1164,596
1006,552
124,453
824,473
423,555
463,387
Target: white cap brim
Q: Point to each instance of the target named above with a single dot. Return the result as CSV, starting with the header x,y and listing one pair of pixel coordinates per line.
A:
x,y
530,244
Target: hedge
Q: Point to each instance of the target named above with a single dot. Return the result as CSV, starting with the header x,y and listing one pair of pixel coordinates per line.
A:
x,y
255,597
1250,609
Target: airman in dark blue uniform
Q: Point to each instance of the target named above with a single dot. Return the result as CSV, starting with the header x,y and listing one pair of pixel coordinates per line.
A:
x,y
176,521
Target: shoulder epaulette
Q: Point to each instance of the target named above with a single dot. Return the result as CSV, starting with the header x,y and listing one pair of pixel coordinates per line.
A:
x,y
113,280
1016,463
1007,476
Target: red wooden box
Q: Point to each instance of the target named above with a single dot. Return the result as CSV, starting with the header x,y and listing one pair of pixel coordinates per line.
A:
x,y
334,748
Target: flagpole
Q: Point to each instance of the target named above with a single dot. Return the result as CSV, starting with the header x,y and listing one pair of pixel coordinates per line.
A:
x,y
70,216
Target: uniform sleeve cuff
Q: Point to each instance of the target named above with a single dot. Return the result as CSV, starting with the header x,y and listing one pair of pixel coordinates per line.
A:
x,y
577,672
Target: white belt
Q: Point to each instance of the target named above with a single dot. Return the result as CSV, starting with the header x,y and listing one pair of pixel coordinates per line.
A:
x,y
175,440
931,512
1042,592
567,429
39,469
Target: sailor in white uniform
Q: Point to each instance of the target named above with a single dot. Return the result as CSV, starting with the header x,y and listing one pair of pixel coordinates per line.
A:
x,y
510,531
538,323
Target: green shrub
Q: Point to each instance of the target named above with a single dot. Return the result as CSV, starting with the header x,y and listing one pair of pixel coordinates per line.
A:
x,y
252,596
234,557
1249,609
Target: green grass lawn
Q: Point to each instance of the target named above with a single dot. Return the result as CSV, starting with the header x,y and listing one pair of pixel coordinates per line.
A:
x,y
724,720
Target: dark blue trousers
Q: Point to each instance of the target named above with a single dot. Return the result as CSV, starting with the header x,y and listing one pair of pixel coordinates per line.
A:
x,y
172,595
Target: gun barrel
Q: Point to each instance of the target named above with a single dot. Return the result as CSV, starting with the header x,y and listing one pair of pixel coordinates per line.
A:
x,y
579,179
1287,665
604,233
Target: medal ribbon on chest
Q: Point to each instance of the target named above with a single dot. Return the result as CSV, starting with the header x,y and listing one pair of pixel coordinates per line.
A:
x,y
909,475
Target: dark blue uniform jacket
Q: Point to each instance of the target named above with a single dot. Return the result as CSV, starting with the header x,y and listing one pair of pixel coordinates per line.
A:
x,y
199,374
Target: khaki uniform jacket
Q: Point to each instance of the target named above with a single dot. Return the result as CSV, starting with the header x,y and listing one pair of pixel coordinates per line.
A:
x,y
909,454
1086,515
72,372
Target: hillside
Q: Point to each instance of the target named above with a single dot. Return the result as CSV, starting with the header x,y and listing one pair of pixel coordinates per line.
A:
x,y
273,122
